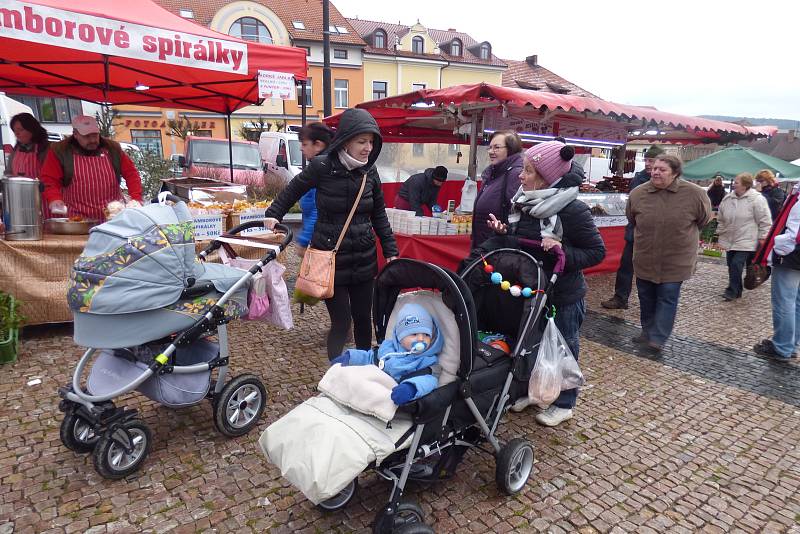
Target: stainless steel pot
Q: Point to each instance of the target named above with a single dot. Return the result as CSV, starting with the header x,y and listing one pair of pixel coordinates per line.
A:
x,y
22,208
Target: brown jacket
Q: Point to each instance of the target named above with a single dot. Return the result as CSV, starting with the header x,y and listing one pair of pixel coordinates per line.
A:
x,y
667,224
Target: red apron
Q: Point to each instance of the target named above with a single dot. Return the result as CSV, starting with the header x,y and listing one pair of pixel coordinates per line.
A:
x,y
93,186
26,163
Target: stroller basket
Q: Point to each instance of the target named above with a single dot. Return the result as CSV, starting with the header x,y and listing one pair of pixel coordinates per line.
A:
x,y
114,369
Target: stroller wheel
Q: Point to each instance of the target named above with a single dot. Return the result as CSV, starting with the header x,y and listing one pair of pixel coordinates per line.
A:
x,y
77,433
122,449
341,499
239,405
514,466
407,515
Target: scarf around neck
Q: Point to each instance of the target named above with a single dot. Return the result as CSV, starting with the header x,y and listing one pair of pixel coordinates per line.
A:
x,y
778,226
542,204
349,161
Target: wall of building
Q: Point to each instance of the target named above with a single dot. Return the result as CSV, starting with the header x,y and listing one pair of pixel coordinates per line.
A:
x,y
457,75
412,73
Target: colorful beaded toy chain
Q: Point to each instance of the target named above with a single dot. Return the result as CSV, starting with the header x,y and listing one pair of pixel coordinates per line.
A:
x,y
505,285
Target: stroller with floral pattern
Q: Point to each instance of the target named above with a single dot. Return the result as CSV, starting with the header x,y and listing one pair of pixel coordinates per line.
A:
x,y
148,307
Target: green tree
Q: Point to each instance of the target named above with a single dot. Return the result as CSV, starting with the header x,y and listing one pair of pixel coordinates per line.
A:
x,y
181,127
251,131
105,121
152,168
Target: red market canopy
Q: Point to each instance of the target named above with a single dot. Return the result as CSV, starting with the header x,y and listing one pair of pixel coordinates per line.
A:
x,y
443,116
103,51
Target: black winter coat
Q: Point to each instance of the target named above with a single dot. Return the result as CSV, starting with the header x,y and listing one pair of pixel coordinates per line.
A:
x,y
419,190
337,188
582,244
775,197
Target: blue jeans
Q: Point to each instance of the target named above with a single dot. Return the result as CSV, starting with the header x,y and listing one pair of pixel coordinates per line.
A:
x,y
658,305
569,318
785,310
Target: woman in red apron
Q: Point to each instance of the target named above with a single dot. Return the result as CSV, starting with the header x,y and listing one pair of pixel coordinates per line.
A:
x,y
31,147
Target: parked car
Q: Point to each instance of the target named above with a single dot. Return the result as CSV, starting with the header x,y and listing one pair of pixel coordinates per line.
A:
x,y
209,157
280,152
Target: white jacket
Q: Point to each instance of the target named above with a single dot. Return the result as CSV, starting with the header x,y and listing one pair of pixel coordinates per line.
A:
x,y
742,221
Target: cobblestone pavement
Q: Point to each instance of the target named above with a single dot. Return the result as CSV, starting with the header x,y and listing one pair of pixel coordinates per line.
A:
x,y
702,438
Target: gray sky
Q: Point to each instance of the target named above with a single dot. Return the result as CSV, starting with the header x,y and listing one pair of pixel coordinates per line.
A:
x,y
691,57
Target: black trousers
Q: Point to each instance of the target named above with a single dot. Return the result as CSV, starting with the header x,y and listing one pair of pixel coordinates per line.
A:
x,y
736,260
622,287
350,304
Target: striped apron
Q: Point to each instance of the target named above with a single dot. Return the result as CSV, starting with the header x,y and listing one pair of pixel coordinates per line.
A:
x,y
26,163
93,186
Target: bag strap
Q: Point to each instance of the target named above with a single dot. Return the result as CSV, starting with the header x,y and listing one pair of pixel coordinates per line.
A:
x,y
352,212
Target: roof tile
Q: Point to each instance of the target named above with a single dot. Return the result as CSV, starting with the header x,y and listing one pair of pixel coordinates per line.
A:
x,y
522,75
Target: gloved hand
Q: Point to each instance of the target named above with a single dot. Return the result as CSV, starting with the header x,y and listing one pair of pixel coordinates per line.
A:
x,y
57,207
343,359
436,208
403,393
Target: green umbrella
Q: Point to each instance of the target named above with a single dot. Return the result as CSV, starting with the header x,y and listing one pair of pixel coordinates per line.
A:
x,y
734,160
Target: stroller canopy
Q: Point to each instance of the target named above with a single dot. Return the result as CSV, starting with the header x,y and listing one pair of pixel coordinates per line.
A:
x,y
140,260
406,274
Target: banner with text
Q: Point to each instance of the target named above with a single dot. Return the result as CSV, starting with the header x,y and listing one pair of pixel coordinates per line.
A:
x,y
58,27
276,85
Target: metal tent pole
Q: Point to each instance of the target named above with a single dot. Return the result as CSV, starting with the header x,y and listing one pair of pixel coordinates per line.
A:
x,y
230,144
326,64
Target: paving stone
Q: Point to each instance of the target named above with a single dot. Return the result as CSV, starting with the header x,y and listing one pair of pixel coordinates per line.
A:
x,y
701,438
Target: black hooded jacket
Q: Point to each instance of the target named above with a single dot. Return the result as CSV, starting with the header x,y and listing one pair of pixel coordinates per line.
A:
x,y
582,244
337,189
419,190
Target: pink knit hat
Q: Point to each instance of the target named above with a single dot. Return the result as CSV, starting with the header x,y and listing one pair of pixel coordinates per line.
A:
x,y
551,160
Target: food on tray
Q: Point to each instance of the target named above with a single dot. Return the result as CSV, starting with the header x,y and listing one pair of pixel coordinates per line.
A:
x,y
75,218
597,209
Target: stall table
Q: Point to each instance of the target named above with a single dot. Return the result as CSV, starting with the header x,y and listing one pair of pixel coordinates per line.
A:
x,y
37,272
448,250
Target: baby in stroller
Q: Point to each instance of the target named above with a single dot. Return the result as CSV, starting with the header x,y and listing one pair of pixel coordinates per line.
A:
x,y
476,385
410,357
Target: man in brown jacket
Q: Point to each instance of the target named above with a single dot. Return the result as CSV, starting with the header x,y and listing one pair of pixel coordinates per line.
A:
x,y
667,214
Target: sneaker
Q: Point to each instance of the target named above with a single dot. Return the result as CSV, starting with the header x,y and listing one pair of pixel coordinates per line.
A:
x,y
654,347
553,416
730,295
766,349
614,303
521,404
641,339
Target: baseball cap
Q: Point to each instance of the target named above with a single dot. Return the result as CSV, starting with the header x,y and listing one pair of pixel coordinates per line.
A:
x,y
85,125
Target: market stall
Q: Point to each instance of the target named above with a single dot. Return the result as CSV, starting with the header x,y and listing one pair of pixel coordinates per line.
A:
x,y
137,53
469,114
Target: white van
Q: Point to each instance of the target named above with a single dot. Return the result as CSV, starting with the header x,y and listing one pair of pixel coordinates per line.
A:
x,y
280,152
8,108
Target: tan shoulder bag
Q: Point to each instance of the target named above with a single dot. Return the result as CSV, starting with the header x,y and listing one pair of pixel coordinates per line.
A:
x,y
318,267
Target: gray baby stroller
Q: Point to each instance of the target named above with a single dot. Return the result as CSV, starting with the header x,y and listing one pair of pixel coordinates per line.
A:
x,y
154,317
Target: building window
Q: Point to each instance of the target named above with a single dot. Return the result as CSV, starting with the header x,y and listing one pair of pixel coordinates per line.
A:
x,y
307,49
379,39
202,133
46,109
149,140
298,25
486,51
340,90
341,29
309,101
379,90
251,29
339,53
455,48
187,13
418,45
418,86
418,150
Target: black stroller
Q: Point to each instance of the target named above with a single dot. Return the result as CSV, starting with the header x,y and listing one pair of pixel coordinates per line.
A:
x,y
464,413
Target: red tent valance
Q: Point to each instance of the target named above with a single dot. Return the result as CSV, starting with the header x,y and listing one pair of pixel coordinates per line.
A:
x,y
83,49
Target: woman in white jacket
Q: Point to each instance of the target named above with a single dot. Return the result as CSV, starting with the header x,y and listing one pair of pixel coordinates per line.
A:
x,y
743,220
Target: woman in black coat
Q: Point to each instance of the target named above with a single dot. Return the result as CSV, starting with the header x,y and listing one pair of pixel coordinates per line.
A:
x,y
546,209
768,185
337,174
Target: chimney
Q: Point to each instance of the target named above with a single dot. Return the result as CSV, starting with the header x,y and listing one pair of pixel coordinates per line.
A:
x,y
791,135
451,29
532,60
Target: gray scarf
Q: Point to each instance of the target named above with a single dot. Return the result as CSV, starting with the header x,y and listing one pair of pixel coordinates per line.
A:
x,y
542,204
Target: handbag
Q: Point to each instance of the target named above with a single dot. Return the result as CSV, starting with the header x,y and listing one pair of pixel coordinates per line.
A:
x,y
755,275
318,267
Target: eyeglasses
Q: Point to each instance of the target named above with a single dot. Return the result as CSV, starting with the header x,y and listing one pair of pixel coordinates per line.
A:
x,y
497,147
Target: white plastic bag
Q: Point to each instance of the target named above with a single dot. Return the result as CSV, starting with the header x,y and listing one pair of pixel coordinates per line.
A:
x,y
258,303
280,309
555,369
469,192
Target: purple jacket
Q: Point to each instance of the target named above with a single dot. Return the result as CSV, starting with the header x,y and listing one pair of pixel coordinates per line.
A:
x,y
491,198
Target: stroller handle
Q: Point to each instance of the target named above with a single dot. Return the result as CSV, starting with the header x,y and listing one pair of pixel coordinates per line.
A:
x,y
561,258
282,228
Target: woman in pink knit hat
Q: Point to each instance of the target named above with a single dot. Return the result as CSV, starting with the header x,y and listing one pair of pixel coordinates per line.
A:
x,y
545,208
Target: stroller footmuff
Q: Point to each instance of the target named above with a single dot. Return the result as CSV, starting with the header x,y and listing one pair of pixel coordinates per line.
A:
x,y
155,319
